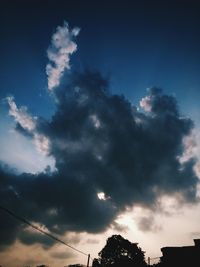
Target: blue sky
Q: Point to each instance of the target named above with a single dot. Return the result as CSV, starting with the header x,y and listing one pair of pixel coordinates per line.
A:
x,y
149,157
139,45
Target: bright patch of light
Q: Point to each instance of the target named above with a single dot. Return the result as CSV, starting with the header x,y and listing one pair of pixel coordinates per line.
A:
x,y
126,220
101,196
192,150
146,104
20,152
197,169
95,121
42,143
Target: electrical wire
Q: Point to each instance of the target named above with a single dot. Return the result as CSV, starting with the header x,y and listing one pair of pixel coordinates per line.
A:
x,y
40,230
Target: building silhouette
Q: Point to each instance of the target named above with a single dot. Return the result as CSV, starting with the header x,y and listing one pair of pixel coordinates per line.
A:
x,y
181,256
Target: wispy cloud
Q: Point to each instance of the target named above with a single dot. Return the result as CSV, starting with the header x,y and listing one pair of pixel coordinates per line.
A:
x,y
27,125
192,149
21,115
62,46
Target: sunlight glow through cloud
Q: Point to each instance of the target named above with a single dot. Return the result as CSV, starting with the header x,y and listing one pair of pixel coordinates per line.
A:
x,y
28,123
101,196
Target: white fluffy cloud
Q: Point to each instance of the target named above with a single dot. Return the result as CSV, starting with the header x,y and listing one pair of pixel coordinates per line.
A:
x,y
28,123
145,103
42,143
192,149
21,115
62,46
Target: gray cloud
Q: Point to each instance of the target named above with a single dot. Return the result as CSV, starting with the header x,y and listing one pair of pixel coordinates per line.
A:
x,y
100,143
29,238
148,223
62,255
119,227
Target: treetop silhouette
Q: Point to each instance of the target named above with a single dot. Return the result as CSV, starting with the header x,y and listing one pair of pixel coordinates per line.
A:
x,y
119,252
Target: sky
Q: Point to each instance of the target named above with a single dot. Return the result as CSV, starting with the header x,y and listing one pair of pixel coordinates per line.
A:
x,y
99,126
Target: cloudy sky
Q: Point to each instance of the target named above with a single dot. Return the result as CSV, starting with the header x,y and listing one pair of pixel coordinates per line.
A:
x,y
99,126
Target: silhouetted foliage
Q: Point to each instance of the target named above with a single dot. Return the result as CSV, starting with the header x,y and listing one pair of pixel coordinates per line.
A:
x,y
119,252
96,263
75,265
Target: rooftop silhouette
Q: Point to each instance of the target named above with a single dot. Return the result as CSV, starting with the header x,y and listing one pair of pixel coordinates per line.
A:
x,y
181,256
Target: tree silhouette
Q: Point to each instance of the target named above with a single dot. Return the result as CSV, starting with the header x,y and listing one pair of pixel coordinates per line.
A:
x,y
119,252
75,265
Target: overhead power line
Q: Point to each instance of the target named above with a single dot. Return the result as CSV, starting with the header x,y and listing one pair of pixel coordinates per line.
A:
x,y
40,230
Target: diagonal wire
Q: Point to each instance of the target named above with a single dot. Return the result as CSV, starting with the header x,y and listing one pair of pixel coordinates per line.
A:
x,y
40,230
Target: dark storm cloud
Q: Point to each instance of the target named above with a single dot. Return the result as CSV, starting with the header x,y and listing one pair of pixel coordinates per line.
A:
x,y
101,143
30,237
